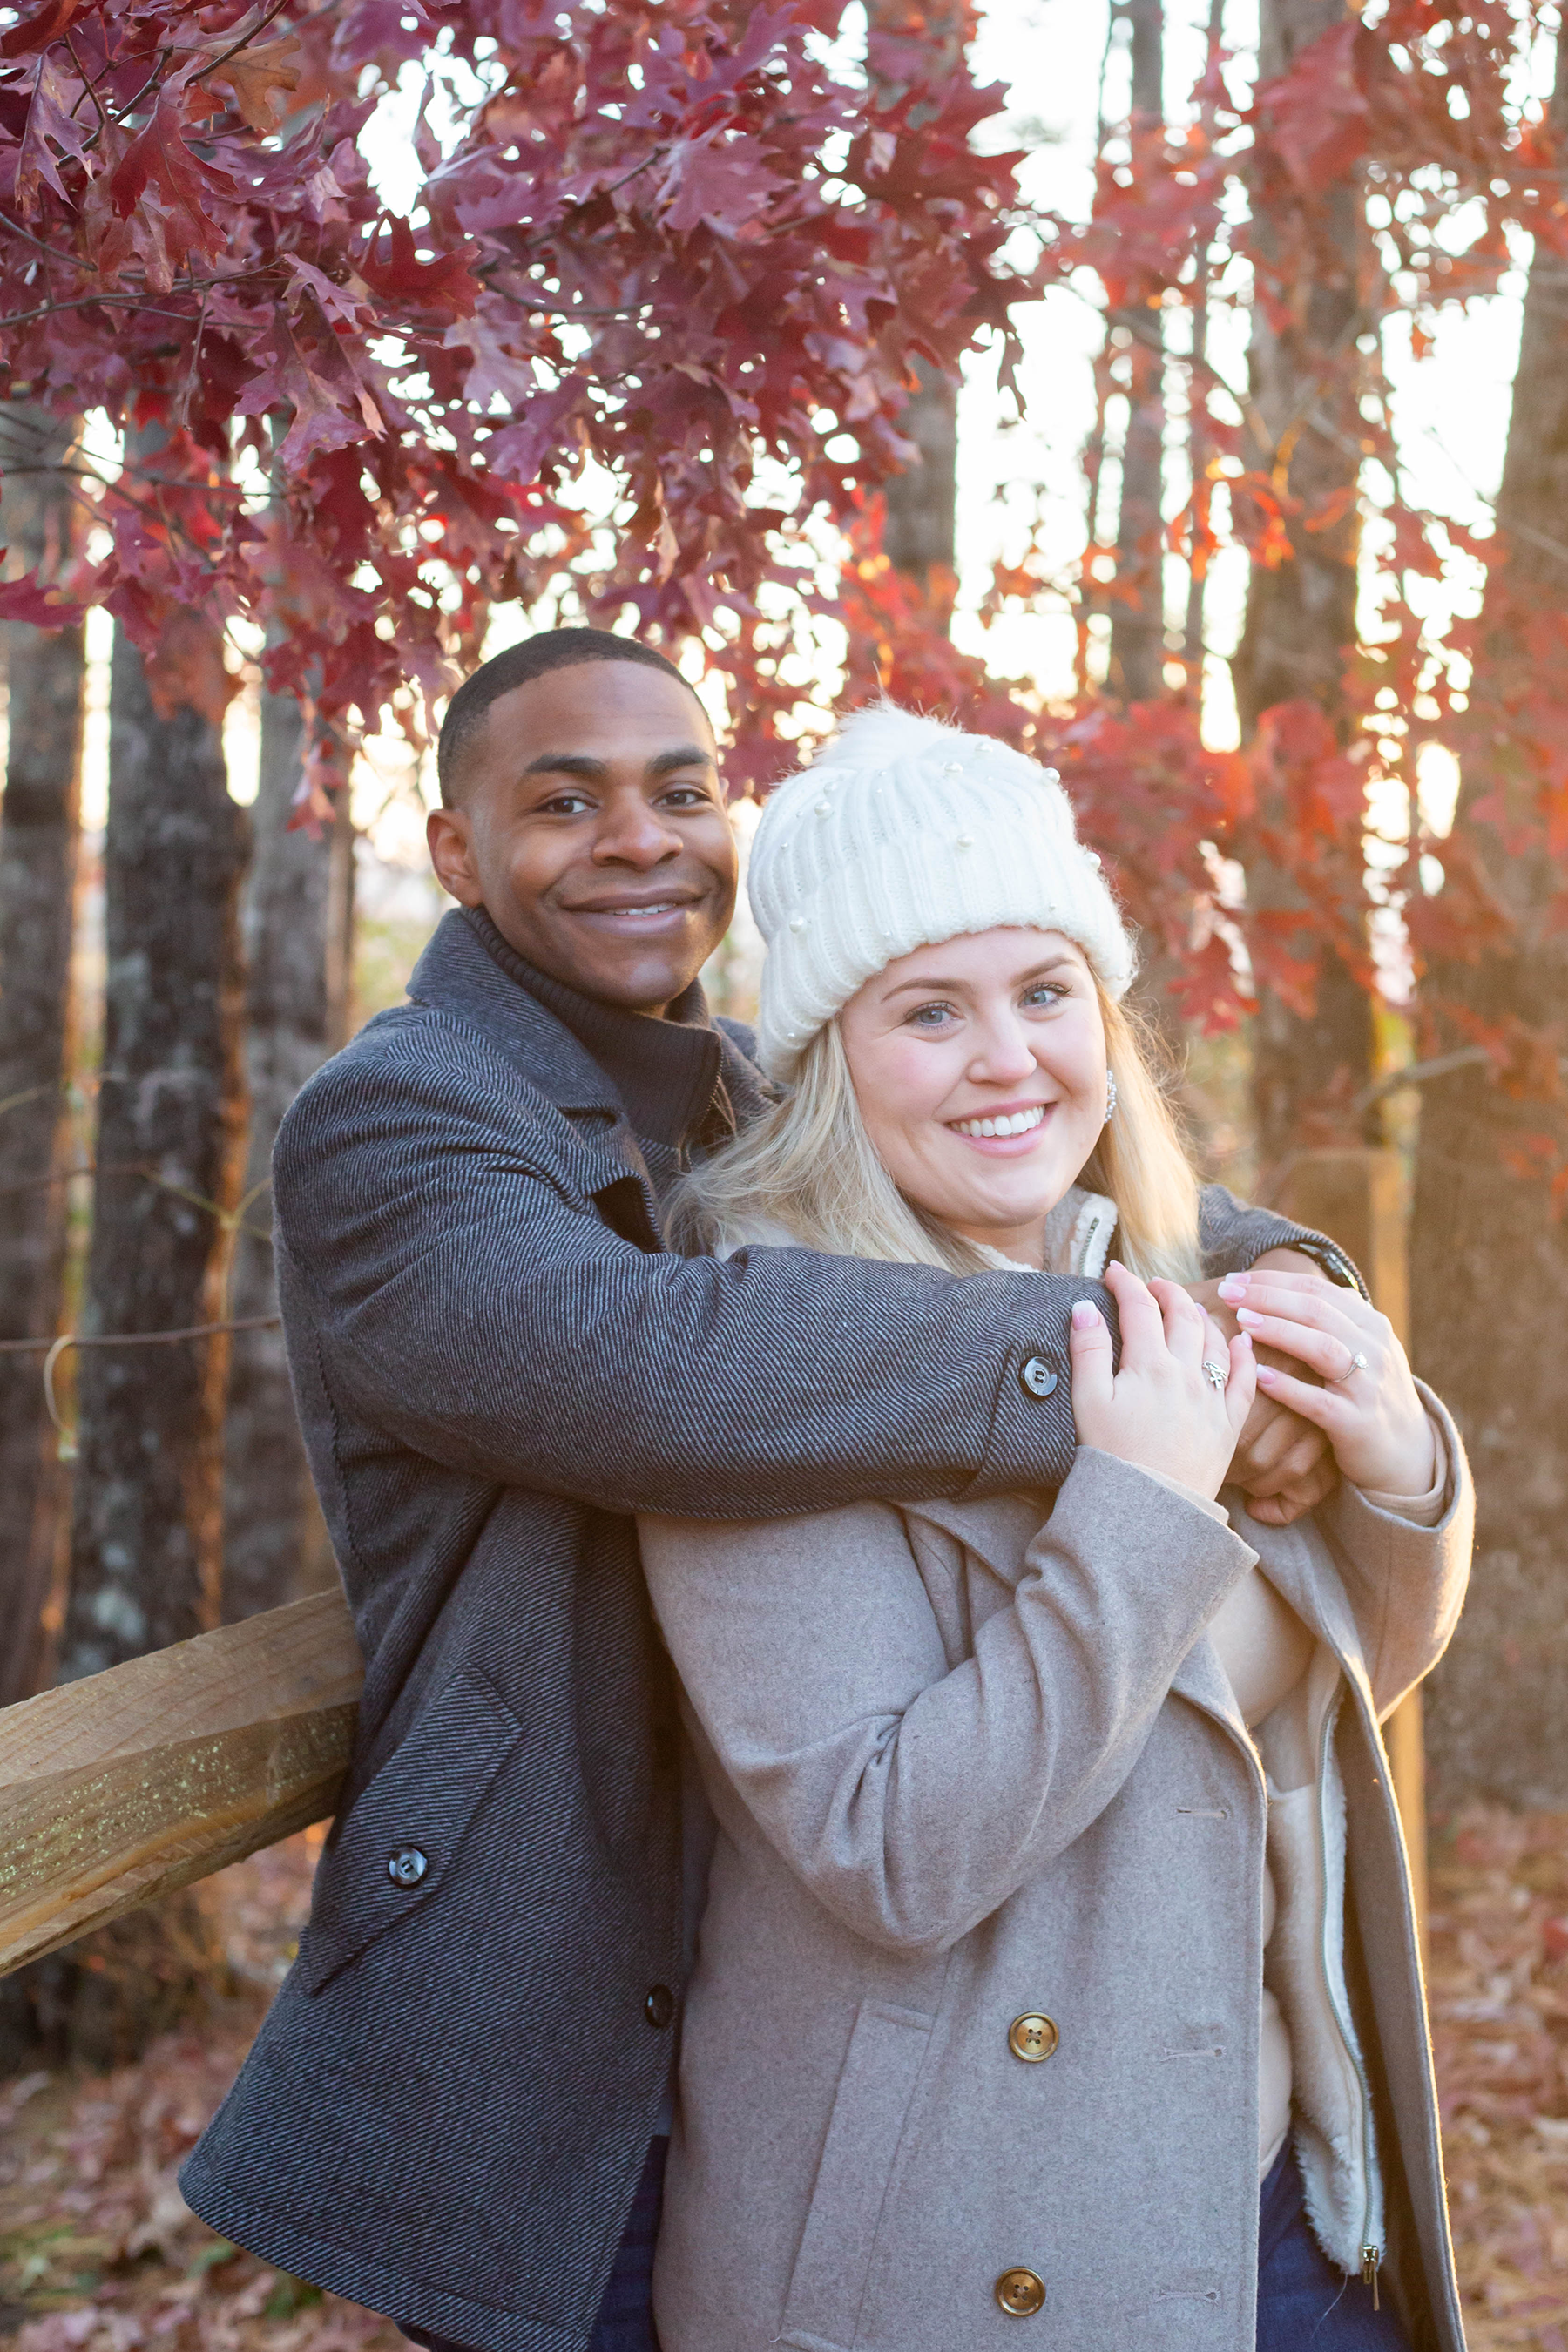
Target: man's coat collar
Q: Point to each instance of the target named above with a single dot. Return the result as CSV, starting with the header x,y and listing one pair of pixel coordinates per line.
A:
x,y
457,974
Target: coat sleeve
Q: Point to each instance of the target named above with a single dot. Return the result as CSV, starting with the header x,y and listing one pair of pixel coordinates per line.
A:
x,y
476,1308
1232,1237
1406,1583
492,1321
912,1797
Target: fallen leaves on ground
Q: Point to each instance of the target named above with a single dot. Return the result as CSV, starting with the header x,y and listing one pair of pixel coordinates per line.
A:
x,y
98,2251
1499,2017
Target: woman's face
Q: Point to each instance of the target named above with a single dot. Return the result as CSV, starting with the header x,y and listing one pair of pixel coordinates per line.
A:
x,y
997,1031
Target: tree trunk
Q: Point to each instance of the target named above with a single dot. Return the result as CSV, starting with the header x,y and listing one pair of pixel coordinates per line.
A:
x,y
1300,614
1489,1257
920,521
145,1559
1137,667
39,827
297,918
1199,438
1137,671
921,504
146,1533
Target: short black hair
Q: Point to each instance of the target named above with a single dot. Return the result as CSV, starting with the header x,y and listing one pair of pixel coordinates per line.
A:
x,y
550,649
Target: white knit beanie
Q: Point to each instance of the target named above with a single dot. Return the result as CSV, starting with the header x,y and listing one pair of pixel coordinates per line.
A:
x,y
903,833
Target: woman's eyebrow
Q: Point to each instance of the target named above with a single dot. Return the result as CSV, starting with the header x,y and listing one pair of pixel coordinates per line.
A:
x,y
924,987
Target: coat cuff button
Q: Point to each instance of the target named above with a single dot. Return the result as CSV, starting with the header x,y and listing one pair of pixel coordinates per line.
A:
x,y
1037,1377
660,2007
406,1865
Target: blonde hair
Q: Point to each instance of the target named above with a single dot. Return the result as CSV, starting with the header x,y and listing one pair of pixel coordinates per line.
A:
x,y
807,1173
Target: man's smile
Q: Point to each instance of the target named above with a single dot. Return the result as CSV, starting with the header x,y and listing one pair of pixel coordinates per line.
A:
x,y
623,911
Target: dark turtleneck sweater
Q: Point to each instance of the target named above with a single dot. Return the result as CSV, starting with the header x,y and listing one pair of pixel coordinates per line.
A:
x,y
668,1070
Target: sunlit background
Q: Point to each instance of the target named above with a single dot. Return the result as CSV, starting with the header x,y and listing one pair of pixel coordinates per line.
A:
x,y
1020,475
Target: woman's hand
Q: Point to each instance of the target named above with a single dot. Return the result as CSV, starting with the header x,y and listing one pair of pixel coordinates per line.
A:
x,y
1282,1465
1161,1410
1368,1407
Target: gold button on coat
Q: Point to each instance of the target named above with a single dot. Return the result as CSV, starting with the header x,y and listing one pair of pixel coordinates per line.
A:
x,y
1021,2294
1032,2038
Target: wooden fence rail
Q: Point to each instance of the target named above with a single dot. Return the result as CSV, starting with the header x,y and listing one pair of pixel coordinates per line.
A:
x,y
117,1789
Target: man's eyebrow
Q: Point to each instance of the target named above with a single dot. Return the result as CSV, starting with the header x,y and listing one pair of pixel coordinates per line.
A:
x,y
594,772
924,986
685,755
568,763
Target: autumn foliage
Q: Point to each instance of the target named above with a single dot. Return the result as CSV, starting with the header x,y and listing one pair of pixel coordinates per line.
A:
x,y
1418,106
641,350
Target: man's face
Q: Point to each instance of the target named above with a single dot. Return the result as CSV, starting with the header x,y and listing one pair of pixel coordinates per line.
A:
x,y
592,828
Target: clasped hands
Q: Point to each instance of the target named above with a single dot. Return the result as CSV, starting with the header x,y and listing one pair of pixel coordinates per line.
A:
x,y
1359,1396
1315,1384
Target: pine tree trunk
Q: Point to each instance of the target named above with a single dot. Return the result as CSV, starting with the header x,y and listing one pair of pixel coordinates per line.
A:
x,y
145,1557
297,930
1300,614
1489,1259
1138,613
39,826
146,1531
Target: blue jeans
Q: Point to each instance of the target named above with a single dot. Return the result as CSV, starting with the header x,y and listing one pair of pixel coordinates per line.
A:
x,y
625,2315
1304,2302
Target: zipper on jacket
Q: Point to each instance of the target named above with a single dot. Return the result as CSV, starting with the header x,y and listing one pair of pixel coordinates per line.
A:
x,y
1371,2253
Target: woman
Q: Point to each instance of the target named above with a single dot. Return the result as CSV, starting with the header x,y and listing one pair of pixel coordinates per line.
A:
x,y
1058,1896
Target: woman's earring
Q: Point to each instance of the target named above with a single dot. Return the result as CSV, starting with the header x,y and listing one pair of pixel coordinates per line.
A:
x,y
1110,1097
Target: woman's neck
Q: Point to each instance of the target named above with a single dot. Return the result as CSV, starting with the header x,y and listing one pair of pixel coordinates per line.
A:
x,y
1024,1245
1072,1237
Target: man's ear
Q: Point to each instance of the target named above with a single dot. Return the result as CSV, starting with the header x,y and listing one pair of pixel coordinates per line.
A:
x,y
449,833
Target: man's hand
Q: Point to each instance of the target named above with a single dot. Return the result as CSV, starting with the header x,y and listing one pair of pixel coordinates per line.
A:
x,y
1282,1465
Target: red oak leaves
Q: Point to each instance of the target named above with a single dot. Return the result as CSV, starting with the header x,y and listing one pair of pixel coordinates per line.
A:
x,y
642,255
176,197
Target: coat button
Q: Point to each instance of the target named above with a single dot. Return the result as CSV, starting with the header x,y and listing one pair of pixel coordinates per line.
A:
x,y
405,1866
1021,2294
1032,2038
660,2006
1038,1377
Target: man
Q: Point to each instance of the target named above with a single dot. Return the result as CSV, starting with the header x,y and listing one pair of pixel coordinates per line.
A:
x,y
453,2112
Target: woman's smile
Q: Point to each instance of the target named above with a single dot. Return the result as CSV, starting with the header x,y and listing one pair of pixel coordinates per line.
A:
x,y
1008,1132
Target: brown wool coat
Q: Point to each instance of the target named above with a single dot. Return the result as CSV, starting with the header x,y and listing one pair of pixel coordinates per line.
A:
x,y
967,1767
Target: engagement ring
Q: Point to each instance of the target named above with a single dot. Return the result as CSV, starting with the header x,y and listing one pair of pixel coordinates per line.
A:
x,y
1216,1375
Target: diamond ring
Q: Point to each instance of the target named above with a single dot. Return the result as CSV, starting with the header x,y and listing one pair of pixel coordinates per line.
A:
x,y
1216,1375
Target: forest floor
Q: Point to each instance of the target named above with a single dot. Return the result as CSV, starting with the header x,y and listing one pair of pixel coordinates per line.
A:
x,y
99,2254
